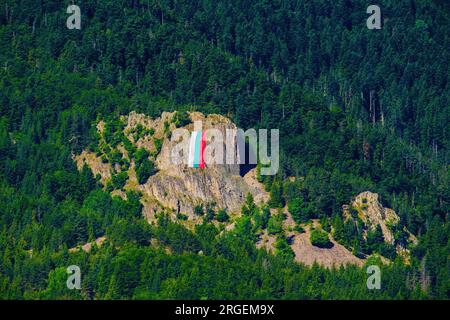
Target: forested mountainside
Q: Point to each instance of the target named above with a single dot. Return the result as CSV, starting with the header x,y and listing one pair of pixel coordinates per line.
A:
x,y
357,110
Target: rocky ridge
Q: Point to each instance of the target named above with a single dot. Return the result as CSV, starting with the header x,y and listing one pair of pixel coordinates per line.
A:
x,y
175,187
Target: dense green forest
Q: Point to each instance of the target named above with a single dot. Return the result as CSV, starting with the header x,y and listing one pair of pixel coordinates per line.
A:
x,y
357,110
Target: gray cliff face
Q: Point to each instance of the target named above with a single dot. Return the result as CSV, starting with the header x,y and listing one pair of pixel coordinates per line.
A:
x,y
175,186
183,191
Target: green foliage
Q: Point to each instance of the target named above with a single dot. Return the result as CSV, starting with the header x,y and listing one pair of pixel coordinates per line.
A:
x,y
276,195
374,238
57,288
298,228
119,180
222,215
65,184
177,237
275,224
207,233
143,166
338,229
122,232
325,224
199,210
265,216
140,131
113,132
140,155
243,228
115,157
209,213
182,216
131,149
354,113
300,211
319,238
283,248
249,207
158,144
166,127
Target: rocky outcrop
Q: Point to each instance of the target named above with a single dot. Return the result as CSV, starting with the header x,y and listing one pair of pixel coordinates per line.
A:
x,y
372,213
175,186
88,246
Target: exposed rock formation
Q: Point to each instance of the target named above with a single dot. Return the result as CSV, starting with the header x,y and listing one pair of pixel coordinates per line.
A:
x,y
88,246
175,186
96,165
372,213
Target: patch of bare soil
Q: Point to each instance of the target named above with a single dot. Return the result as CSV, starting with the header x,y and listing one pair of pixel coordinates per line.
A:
x,y
307,254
